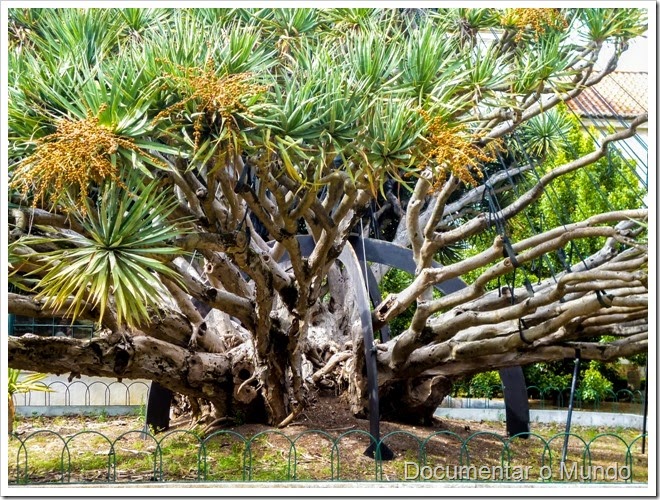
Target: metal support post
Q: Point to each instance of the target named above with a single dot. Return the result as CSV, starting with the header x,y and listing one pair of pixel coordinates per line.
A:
x,y
570,404
646,405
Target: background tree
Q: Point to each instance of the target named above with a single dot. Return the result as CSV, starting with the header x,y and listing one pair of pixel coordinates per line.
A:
x,y
163,163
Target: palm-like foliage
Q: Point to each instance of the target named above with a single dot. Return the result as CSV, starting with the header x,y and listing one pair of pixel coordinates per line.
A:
x,y
78,35
545,134
384,90
605,23
373,61
29,383
17,385
120,256
429,53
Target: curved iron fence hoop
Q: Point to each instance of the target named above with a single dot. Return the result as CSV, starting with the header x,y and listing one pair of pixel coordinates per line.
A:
x,y
641,436
71,438
549,390
562,435
612,394
157,471
531,388
626,394
321,433
47,395
637,438
184,432
22,446
223,432
146,386
396,433
248,450
126,393
443,433
18,457
106,394
27,396
483,433
628,456
528,434
348,433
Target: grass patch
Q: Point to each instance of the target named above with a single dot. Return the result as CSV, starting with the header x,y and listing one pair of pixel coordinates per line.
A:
x,y
84,450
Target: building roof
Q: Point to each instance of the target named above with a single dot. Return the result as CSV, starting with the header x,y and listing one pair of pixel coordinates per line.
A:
x,y
621,94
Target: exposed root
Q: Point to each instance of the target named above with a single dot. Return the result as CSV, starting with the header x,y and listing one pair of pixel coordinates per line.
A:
x,y
240,387
216,424
330,365
180,423
292,416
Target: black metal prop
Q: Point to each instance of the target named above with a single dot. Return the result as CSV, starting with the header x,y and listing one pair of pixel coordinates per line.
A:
x,y
515,401
376,298
349,258
513,379
158,407
576,371
390,254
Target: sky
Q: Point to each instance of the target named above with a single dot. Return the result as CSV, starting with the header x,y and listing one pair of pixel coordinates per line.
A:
x,y
636,58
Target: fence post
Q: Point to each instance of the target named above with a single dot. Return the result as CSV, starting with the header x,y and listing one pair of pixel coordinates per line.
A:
x,y
646,405
570,404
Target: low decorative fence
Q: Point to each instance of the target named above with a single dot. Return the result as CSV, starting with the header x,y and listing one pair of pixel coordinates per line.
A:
x,y
83,393
137,456
549,397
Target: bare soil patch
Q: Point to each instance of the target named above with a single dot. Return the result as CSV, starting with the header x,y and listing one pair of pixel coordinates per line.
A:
x,y
305,450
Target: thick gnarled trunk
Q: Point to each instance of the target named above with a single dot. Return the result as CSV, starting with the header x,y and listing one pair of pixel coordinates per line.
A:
x,y
210,376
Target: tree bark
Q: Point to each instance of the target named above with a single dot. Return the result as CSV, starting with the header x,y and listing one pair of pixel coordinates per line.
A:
x,y
210,376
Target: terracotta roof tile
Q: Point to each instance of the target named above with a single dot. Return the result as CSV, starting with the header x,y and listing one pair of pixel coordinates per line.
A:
x,y
620,94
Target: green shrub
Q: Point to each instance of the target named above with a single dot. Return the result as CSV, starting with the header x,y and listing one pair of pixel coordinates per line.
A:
x,y
547,376
594,386
486,385
394,282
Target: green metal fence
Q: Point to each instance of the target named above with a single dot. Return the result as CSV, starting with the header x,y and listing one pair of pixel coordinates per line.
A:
x,y
116,392
50,327
135,456
61,394
550,397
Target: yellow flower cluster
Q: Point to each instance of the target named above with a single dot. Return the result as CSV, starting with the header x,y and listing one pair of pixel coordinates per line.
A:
x,y
217,96
452,151
76,154
535,20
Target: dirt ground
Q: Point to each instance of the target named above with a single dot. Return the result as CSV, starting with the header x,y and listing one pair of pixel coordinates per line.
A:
x,y
336,453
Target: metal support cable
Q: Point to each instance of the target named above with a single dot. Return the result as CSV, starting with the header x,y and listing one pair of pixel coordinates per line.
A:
x,y
530,223
562,216
585,170
601,123
500,223
637,137
632,97
616,116
618,147
574,247
565,219
611,147
570,405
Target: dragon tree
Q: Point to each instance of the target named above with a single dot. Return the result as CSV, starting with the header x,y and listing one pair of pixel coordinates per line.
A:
x,y
189,179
